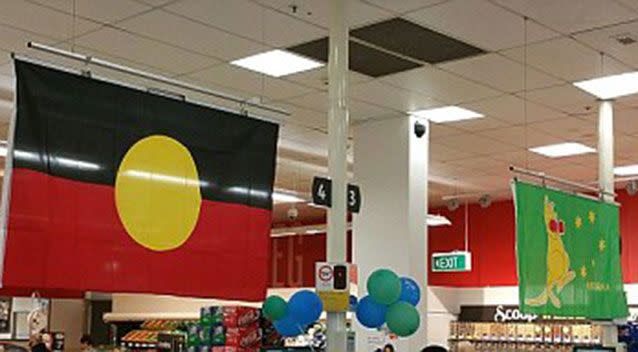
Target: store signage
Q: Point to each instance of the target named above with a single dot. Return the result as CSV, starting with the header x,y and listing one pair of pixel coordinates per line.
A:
x,y
451,262
332,282
322,194
500,313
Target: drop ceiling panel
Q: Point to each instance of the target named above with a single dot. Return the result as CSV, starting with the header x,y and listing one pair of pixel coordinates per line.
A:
x,y
44,21
520,136
376,92
568,128
476,143
255,84
473,21
412,40
482,124
501,73
192,35
317,12
626,121
358,110
318,78
101,11
511,109
250,20
442,130
566,98
404,6
440,85
574,172
602,40
567,59
134,48
362,58
573,16
442,153
12,39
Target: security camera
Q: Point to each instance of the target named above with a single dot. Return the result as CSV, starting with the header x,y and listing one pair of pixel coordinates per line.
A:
x,y
485,201
453,204
419,129
293,214
632,187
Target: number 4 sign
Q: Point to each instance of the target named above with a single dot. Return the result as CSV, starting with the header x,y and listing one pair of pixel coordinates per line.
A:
x,y
322,194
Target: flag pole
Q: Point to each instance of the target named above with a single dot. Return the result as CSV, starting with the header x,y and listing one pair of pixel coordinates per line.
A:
x,y
87,59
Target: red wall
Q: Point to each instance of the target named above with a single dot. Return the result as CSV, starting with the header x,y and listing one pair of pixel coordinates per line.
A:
x,y
492,244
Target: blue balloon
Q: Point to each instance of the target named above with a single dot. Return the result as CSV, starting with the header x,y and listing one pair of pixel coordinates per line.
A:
x,y
410,291
370,313
288,327
353,303
305,307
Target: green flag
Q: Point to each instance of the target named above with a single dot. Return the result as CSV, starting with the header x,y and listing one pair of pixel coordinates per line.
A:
x,y
568,255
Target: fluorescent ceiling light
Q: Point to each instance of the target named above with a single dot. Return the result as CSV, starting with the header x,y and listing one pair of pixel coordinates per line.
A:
x,y
277,63
562,149
627,170
3,151
447,114
281,197
437,220
610,87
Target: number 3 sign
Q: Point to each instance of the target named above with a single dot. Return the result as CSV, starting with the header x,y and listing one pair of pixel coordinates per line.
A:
x,y
322,194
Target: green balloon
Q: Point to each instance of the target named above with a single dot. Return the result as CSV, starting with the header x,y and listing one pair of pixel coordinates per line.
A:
x,y
384,286
274,308
403,319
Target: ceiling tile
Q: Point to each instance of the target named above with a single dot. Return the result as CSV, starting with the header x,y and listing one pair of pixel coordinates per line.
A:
x,y
41,20
404,6
565,98
250,82
399,99
511,109
101,11
476,143
567,59
358,110
440,85
191,35
317,12
12,39
441,130
630,3
250,20
568,128
626,121
499,72
152,53
521,136
574,172
441,152
318,78
460,19
573,17
603,40
156,3
482,124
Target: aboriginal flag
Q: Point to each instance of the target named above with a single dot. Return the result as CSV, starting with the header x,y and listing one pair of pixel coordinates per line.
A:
x,y
118,190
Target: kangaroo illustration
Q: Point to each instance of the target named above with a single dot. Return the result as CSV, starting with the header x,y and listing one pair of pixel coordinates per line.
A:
x,y
559,273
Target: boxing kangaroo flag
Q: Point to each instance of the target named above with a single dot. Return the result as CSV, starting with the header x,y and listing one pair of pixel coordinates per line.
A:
x,y
115,189
568,255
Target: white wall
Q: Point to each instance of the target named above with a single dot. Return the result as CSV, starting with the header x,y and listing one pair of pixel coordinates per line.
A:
x,y
69,315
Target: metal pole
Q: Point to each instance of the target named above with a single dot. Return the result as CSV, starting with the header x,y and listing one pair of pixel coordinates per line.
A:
x,y
151,76
338,121
558,180
606,150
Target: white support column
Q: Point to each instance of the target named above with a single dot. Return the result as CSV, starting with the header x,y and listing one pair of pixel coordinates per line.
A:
x,y
606,149
338,121
391,166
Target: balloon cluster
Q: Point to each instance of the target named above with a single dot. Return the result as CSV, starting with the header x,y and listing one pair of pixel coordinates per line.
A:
x,y
292,318
391,300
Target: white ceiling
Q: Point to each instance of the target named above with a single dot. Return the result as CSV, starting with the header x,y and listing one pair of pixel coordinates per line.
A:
x,y
524,90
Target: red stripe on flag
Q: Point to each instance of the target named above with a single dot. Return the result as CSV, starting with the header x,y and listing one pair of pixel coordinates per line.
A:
x,y
66,234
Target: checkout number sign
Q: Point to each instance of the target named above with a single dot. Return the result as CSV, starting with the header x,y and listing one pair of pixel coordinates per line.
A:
x,y
322,194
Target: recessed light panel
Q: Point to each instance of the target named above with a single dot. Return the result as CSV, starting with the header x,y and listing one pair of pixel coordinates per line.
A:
x,y
627,170
447,114
610,87
563,149
277,63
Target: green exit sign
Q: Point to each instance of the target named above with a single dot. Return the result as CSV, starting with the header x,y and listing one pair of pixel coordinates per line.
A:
x,y
452,261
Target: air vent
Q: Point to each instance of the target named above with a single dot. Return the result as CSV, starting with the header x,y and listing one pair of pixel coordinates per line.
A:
x,y
625,38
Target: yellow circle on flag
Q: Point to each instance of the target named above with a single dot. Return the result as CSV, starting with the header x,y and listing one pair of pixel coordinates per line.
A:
x,y
157,193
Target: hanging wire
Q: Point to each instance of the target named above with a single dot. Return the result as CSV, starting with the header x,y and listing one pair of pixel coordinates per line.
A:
x,y
525,20
73,29
466,227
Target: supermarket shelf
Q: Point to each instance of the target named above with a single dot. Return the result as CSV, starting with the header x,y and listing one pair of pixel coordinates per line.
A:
x,y
122,317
